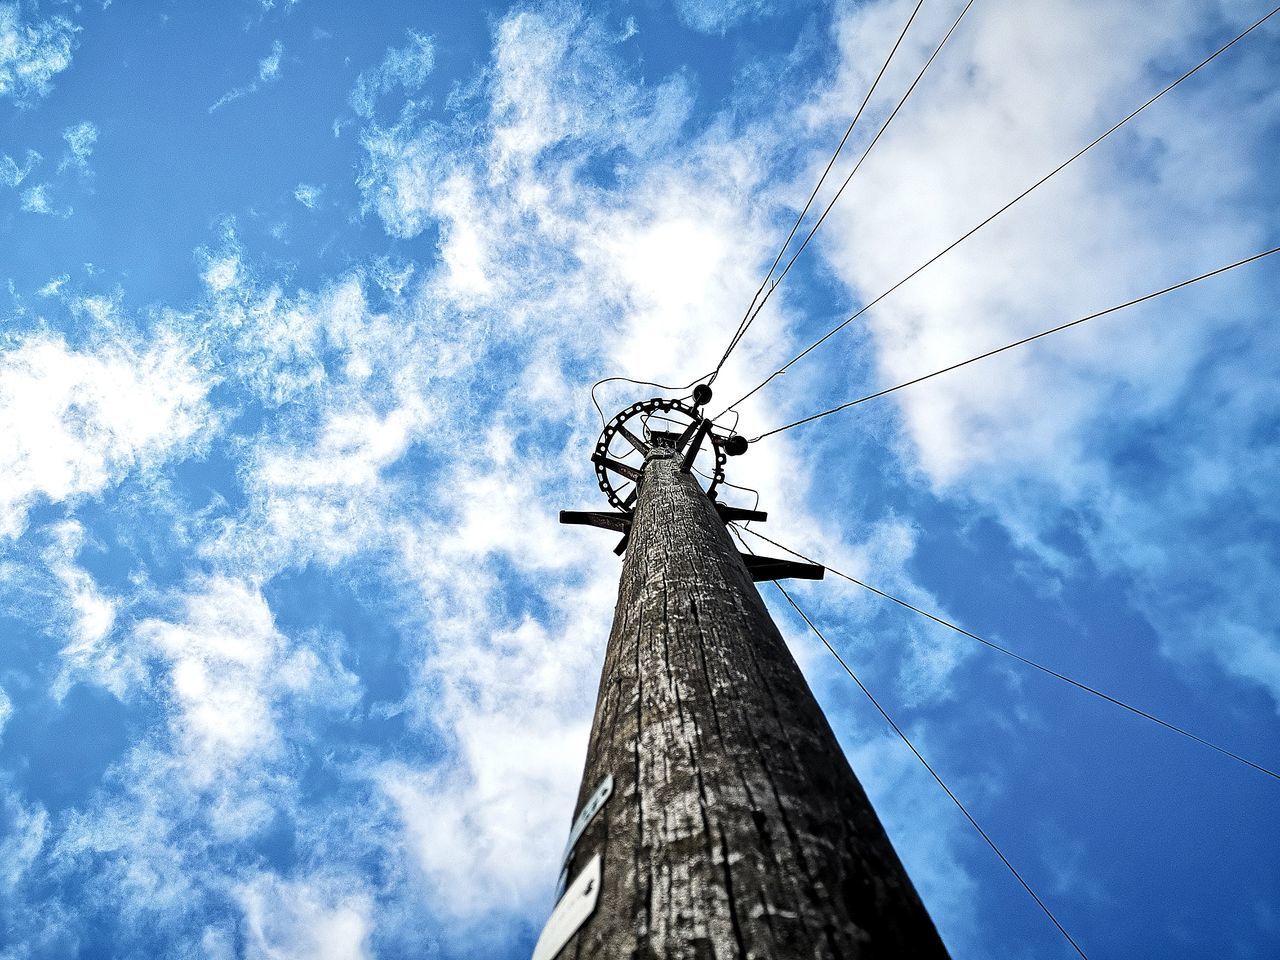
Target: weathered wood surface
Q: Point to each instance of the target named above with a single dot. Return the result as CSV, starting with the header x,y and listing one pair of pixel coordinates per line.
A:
x,y
736,828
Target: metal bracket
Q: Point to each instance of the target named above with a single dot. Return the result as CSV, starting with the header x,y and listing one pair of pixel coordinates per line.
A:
x,y
703,428
617,466
728,513
667,439
775,568
688,432
621,522
632,439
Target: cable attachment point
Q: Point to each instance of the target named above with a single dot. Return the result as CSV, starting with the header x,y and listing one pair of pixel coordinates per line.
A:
x,y
701,395
652,428
736,445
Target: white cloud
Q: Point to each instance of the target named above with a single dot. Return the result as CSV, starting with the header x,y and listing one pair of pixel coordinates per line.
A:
x,y
228,668
36,199
308,195
1037,437
32,53
54,287
76,420
81,139
26,829
222,273
89,615
269,68
513,700
582,226
12,174
404,67
719,16
302,920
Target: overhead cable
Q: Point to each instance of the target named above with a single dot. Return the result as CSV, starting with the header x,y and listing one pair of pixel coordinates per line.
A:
x,y
1018,343
974,229
639,383
954,799
1027,661
749,315
874,140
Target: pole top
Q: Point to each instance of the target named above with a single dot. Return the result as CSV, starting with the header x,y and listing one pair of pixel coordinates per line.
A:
x,y
654,428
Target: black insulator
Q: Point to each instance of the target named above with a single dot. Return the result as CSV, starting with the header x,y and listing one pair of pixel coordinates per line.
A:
x,y
702,394
736,445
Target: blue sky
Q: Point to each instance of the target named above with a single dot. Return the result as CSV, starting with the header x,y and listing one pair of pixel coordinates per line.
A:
x,y
301,303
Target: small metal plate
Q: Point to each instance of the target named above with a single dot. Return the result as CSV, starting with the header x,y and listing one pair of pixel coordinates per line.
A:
x,y
594,804
577,904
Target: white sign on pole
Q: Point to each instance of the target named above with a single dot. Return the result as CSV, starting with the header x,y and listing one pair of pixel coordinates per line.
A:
x,y
578,903
588,812
595,803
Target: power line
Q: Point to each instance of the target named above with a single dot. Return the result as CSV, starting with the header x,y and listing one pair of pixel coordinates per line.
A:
x,y
639,383
954,799
969,233
831,204
1018,343
1029,662
748,317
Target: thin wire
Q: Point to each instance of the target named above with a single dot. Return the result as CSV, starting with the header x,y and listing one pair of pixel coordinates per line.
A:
x,y
954,799
725,483
748,316
1018,343
856,167
969,233
639,383
1028,662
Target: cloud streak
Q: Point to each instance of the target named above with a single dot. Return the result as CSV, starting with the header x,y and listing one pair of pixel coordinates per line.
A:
x,y
32,53
269,68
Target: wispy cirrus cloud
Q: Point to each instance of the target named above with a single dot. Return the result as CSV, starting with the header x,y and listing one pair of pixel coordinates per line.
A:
x,y
405,68
77,418
32,52
12,173
269,68
308,536
308,195
80,138
73,176
1084,459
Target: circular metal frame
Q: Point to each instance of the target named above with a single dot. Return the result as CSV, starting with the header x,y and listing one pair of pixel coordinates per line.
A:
x,y
644,409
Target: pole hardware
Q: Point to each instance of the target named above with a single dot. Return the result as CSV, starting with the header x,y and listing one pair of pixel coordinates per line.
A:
x,y
573,910
634,433
774,568
588,812
728,513
620,522
691,452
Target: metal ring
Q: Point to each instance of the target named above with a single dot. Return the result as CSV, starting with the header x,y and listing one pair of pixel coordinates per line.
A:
x,y
639,409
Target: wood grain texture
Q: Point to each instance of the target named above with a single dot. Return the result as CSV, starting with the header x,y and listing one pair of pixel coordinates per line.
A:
x,y
736,828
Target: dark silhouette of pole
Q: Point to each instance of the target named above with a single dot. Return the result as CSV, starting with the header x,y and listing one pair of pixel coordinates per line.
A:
x,y
718,817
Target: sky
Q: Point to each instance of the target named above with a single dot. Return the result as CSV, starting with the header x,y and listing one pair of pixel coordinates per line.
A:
x,y
300,305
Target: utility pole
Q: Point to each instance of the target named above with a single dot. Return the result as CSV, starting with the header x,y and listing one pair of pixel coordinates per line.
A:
x,y
718,817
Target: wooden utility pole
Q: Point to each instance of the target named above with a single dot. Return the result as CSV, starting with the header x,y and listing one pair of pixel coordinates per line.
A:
x,y
718,817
